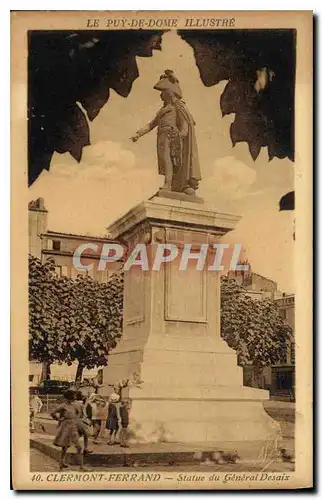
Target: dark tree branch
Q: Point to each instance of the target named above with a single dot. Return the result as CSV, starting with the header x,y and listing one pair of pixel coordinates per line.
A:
x,y
264,112
67,68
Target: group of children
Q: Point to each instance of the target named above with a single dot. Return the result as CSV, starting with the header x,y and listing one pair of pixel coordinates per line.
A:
x,y
112,415
78,413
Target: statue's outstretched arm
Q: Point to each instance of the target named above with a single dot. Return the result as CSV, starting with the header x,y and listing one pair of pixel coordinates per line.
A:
x,y
144,130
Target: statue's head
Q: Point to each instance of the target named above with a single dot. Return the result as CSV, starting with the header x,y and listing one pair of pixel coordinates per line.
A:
x,y
169,86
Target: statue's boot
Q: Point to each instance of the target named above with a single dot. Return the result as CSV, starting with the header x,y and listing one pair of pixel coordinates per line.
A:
x,y
167,186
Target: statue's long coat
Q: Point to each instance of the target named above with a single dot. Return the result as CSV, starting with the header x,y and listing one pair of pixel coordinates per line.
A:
x,y
188,172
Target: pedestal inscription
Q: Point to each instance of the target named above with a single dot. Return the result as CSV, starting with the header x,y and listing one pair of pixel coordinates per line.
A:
x,y
185,294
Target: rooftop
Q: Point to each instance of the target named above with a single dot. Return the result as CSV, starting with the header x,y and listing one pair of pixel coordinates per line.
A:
x,y
58,234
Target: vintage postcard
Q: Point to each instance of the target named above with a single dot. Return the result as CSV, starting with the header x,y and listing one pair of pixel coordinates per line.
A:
x,y
161,241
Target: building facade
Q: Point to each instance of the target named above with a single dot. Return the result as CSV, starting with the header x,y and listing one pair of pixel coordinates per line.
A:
x,y
45,244
62,246
256,285
283,374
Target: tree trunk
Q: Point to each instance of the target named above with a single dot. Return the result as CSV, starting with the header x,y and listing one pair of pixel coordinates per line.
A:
x,y
79,373
45,371
257,375
253,377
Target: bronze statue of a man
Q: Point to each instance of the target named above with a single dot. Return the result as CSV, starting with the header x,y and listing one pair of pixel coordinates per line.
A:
x,y
176,142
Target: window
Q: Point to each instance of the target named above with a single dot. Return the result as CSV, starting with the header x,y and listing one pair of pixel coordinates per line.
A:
x,y
283,359
292,353
64,271
56,245
102,276
73,272
31,378
282,313
58,270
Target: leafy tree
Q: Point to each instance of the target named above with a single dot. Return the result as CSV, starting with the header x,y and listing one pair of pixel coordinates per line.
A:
x,y
95,322
44,313
253,328
72,320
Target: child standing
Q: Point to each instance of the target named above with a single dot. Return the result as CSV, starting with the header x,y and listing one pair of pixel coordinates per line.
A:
x,y
68,414
113,419
100,419
124,423
83,422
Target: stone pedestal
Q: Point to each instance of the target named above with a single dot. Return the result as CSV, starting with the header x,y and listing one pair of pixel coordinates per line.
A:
x,y
192,389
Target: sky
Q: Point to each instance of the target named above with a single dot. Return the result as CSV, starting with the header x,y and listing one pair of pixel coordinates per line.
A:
x,y
116,174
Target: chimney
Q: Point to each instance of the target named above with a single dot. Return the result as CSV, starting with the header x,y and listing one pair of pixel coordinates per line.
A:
x,y
37,225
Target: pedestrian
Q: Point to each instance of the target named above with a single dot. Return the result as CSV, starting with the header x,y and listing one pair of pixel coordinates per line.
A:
x,y
119,387
84,423
124,422
113,419
68,415
91,407
35,405
100,419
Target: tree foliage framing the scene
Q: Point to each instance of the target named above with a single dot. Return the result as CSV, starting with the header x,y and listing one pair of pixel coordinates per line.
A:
x,y
259,68
72,71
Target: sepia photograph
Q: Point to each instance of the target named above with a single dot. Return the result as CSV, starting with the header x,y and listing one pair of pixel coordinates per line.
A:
x,y
160,169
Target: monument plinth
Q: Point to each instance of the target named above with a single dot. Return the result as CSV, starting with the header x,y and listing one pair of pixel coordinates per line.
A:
x,y
192,388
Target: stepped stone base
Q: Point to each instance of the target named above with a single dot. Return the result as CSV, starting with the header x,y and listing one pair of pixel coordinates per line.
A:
x,y
202,414
255,454
192,389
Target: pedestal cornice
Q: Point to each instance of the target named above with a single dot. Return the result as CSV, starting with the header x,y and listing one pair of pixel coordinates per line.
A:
x,y
174,213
